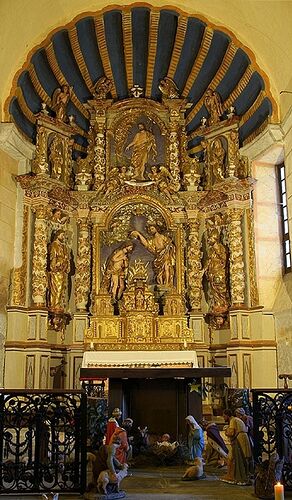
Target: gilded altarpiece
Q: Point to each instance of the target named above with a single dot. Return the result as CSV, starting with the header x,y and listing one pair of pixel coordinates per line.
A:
x,y
134,244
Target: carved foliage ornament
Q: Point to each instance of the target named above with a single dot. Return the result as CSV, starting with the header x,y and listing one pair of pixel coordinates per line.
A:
x,y
39,263
82,279
120,225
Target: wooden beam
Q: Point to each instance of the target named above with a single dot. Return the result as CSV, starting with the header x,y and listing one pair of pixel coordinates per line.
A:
x,y
108,372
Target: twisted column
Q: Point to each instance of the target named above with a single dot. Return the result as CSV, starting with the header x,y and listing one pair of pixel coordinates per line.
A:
x,y
235,243
68,163
39,262
82,277
99,159
174,161
40,163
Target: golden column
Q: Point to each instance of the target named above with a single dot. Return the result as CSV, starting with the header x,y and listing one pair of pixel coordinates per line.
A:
x,y
82,277
68,162
98,109
176,109
194,268
40,163
99,158
253,292
235,243
174,165
39,262
97,223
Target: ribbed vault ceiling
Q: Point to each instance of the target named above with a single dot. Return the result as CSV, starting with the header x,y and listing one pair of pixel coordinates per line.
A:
x,y
141,45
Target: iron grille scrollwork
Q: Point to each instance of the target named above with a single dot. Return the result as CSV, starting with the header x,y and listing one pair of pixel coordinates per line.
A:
x,y
42,441
272,410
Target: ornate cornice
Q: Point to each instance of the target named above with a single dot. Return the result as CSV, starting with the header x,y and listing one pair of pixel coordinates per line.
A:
x,y
14,144
268,147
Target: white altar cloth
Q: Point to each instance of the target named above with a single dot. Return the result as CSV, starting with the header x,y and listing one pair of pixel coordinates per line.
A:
x,y
139,359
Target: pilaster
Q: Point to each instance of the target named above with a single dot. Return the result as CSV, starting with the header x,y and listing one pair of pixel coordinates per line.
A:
x,y
194,267
39,263
235,241
82,276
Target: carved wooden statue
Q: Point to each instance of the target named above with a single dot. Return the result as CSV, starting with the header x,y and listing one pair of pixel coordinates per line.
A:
x,y
216,274
59,267
164,251
143,147
60,99
116,271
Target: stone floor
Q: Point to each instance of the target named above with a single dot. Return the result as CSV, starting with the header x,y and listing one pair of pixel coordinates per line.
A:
x,y
164,483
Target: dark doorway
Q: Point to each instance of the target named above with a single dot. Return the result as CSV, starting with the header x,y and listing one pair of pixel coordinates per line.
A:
x,y
154,403
162,404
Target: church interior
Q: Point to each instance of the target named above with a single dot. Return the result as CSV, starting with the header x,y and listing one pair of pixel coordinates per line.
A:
x,y
145,200
209,181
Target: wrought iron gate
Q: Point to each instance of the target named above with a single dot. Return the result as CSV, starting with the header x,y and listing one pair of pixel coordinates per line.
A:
x,y
42,441
272,410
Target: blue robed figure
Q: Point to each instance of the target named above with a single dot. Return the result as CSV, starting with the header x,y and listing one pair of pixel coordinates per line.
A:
x,y
195,438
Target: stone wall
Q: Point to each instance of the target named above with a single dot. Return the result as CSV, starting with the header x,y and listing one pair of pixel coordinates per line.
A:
x,y
283,300
15,156
267,233
8,196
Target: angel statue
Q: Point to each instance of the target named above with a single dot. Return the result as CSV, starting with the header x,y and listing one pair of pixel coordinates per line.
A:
x,y
164,181
213,104
60,99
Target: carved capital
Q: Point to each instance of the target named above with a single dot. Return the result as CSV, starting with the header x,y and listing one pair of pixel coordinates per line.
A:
x,y
194,220
84,224
41,212
235,215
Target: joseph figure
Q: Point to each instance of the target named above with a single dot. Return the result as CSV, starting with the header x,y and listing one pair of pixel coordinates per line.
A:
x,y
143,147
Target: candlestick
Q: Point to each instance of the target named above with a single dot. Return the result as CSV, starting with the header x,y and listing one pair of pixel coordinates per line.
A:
x,y
91,346
185,344
279,491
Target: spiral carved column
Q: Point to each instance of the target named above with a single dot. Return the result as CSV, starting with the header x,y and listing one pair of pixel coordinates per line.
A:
x,y
99,159
237,277
82,278
194,275
39,263
174,157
